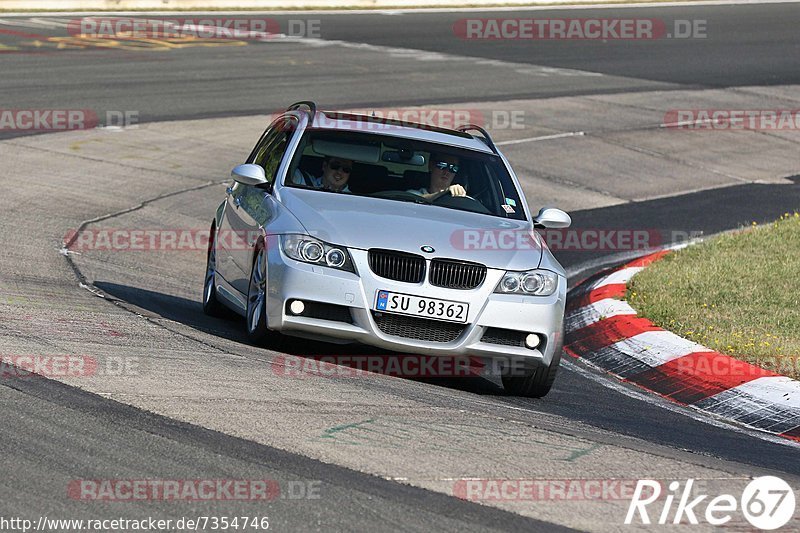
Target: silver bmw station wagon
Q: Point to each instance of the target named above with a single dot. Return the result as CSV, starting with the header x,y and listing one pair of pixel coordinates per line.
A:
x,y
415,239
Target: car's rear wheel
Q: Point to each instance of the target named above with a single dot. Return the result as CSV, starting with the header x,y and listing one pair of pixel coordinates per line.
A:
x,y
537,382
211,305
256,315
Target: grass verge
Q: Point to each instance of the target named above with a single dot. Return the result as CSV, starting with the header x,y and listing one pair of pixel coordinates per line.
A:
x,y
738,294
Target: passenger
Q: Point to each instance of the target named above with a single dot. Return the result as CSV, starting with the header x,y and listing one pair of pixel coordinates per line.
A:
x,y
335,173
443,169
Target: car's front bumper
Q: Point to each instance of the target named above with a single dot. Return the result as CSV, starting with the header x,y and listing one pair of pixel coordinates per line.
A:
x,y
293,280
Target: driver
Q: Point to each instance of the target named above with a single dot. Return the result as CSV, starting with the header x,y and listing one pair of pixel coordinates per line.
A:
x,y
335,173
443,169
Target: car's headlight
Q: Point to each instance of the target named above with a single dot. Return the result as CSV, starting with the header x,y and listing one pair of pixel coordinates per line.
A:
x,y
533,282
310,250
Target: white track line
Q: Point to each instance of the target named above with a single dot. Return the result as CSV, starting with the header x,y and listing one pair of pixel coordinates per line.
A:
x,y
542,138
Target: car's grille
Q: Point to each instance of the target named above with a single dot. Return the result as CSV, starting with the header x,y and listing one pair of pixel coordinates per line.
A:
x,y
398,266
456,274
421,329
506,337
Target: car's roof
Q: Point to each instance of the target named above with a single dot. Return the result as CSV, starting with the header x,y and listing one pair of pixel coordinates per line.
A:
x,y
334,120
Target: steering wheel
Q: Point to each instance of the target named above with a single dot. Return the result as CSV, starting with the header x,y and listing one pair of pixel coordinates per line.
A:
x,y
400,195
465,203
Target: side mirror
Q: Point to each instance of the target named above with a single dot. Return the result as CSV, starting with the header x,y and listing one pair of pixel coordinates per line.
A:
x,y
249,175
550,217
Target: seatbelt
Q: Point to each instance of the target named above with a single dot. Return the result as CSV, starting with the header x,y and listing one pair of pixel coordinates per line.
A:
x,y
307,179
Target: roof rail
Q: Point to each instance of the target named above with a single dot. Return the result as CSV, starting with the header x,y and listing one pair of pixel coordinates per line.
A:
x,y
311,106
486,138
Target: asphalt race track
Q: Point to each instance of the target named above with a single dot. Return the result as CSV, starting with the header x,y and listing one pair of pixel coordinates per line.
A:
x,y
179,396
745,45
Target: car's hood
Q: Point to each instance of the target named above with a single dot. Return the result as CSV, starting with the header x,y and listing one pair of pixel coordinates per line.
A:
x,y
362,222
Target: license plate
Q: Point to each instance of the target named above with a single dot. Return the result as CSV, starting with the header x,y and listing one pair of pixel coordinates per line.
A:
x,y
406,304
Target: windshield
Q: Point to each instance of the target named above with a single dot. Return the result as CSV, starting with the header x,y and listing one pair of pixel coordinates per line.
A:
x,y
404,170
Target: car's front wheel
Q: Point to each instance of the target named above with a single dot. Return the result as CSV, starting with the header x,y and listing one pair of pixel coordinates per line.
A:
x,y
211,305
257,330
536,383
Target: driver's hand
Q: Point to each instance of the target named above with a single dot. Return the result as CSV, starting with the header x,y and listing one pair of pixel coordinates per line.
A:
x,y
457,190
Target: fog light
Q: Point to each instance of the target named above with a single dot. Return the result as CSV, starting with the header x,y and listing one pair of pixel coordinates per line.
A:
x,y
297,307
532,341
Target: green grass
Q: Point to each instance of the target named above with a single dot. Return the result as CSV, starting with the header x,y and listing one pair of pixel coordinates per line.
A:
x,y
738,294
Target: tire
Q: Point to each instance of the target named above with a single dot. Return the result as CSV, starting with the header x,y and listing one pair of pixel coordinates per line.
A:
x,y
256,315
212,306
538,382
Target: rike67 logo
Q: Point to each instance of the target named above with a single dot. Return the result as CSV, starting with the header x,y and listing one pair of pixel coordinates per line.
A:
x,y
767,503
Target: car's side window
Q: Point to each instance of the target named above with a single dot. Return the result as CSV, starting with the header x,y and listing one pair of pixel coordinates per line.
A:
x,y
273,159
271,148
262,144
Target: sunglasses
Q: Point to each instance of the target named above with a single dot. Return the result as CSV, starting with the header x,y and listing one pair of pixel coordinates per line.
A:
x,y
335,165
444,165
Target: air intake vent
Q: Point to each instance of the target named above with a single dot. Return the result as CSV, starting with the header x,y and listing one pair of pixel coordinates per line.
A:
x,y
421,329
456,274
505,337
325,311
398,266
